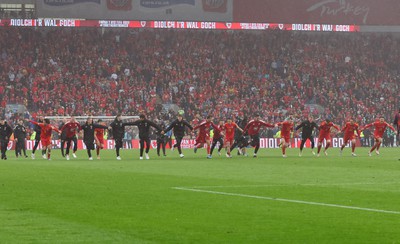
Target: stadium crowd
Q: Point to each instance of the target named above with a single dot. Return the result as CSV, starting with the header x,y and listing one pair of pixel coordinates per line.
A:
x,y
223,73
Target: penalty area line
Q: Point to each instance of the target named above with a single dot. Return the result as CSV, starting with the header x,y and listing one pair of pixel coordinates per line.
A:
x,y
287,200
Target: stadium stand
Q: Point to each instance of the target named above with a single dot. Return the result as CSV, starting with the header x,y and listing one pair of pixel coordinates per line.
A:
x,y
92,71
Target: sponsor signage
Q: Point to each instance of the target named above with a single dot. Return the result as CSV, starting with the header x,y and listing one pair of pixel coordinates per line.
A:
x,y
200,25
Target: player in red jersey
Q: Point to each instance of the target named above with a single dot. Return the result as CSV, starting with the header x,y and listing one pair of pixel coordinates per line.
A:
x,y
380,127
195,122
252,129
45,136
286,129
325,134
349,128
70,128
204,134
230,127
218,137
99,138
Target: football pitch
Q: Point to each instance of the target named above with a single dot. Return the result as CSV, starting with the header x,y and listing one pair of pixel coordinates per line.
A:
x,y
268,199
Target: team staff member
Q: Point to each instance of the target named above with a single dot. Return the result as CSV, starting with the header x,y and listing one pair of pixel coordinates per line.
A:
x,y
178,126
118,131
5,133
161,140
144,133
307,129
88,135
62,137
38,131
240,140
19,138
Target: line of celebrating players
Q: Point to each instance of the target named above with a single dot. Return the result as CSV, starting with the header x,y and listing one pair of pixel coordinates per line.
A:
x,y
227,134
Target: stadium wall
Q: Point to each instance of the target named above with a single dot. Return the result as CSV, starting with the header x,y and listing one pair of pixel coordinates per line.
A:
x,y
349,12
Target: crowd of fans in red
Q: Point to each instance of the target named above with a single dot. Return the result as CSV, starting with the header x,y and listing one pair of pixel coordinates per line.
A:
x,y
275,73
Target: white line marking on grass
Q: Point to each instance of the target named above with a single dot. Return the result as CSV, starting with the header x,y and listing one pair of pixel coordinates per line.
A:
x,y
307,184
287,200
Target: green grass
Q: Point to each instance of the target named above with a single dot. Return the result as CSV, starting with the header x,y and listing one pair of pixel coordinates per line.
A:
x,y
195,200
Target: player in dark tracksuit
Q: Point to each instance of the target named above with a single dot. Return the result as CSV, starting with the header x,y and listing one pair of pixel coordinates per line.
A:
x,y
179,131
118,132
240,140
38,131
161,140
307,129
144,133
62,138
88,135
5,133
19,138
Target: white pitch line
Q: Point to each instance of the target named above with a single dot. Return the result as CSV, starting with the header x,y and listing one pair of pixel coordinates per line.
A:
x,y
288,200
293,185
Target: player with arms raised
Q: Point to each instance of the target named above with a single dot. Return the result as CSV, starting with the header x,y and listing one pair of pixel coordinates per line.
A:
x,y
349,128
88,129
230,127
179,125
380,127
286,129
144,125
99,138
218,138
325,134
45,135
253,130
70,129
204,134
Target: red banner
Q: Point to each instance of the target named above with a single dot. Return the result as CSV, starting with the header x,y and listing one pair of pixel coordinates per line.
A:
x,y
200,25
336,12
